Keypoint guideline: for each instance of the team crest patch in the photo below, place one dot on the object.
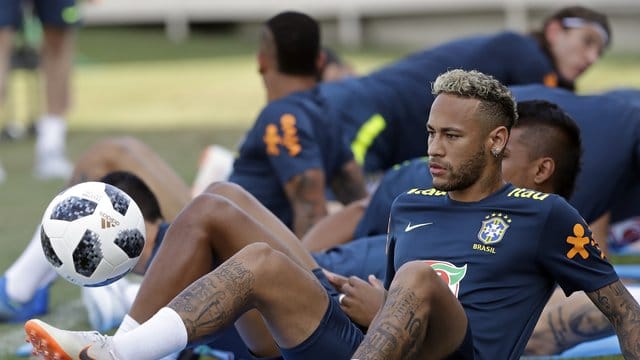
(452, 275)
(493, 228)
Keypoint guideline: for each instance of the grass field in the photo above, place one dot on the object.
(178, 99)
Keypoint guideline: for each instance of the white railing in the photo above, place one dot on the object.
(176, 15)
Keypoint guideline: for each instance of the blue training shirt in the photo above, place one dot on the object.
(501, 256)
(291, 135)
(384, 113)
(626, 207)
(400, 178)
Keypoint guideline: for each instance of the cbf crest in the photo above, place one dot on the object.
(493, 228)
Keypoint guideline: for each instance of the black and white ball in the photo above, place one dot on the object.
(92, 233)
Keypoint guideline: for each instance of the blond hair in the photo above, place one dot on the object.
(497, 104)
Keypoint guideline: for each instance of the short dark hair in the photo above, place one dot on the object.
(549, 131)
(139, 192)
(296, 38)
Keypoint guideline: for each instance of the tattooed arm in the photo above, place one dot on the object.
(566, 323)
(622, 310)
(307, 198)
(349, 185)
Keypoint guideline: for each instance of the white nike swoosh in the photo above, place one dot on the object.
(411, 227)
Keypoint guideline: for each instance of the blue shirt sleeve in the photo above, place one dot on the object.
(289, 140)
(570, 254)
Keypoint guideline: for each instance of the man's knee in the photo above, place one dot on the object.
(226, 189)
(212, 207)
(420, 277)
(266, 262)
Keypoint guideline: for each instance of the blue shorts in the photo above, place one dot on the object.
(360, 257)
(57, 13)
(335, 338)
(465, 351)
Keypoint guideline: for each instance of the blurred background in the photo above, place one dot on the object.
(181, 74)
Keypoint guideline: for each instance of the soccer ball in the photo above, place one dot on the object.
(92, 233)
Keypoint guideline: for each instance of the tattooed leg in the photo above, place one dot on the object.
(421, 319)
(256, 277)
(211, 229)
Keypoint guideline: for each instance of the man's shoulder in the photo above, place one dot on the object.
(527, 195)
(296, 105)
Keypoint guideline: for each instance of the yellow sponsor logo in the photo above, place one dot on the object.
(427, 192)
(527, 194)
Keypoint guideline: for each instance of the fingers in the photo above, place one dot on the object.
(336, 280)
(373, 280)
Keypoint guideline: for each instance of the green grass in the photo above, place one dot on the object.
(178, 98)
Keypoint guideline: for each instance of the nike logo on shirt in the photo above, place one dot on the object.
(412, 227)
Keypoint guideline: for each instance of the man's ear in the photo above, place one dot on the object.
(551, 31)
(545, 167)
(262, 61)
(498, 140)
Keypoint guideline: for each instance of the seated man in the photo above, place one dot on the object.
(466, 147)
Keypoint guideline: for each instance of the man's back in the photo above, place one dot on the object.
(396, 99)
(291, 135)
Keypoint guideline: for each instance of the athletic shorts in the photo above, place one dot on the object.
(57, 13)
(360, 257)
(465, 351)
(335, 338)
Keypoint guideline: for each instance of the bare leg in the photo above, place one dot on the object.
(256, 277)
(211, 229)
(57, 63)
(130, 154)
(420, 319)
(248, 203)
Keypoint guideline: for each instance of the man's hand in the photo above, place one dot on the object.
(359, 299)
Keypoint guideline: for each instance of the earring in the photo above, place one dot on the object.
(495, 152)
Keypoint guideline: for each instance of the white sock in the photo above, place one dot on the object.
(162, 335)
(128, 323)
(51, 131)
(29, 272)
